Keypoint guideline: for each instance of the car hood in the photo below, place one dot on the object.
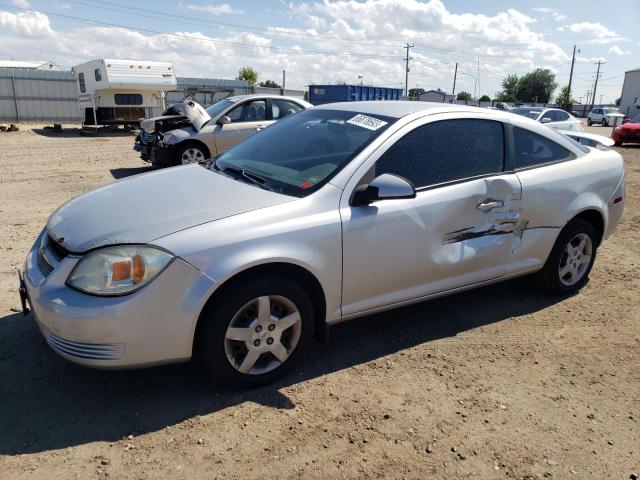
(195, 112)
(149, 124)
(144, 207)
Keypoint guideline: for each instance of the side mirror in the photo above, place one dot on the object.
(545, 120)
(223, 120)
(384, 187)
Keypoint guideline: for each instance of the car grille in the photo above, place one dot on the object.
(85, 351)
(146, 137)
(50, 254)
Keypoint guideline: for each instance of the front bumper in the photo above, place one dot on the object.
(622, 136)
(154, 325)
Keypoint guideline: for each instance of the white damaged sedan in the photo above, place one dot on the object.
(334, 213)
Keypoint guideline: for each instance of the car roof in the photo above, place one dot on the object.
(262, 95)
(398, 108)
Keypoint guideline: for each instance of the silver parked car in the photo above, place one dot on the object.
(605, 116)
(337, 212)
(189, 133)
(551, 117)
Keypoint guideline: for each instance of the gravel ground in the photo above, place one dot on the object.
(500, 382)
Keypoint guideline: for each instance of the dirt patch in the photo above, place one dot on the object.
(500, 382)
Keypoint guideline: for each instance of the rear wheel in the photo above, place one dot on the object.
(567, 269)
(589, 122)
(604, 122)
(257, 333)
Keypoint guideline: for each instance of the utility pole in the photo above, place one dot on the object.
(573, 60)
(588, 97)
(478, 97)
(455, 75)
(601, 95)
(284, 78)
(595, 85)
(406, 72)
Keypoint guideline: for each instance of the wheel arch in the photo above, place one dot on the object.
(595, 218)
(280, 269)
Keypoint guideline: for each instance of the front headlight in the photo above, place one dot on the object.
(118, 270)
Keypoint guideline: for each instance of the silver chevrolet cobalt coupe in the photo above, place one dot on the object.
(333, 213)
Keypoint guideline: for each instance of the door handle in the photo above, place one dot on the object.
(490, 204)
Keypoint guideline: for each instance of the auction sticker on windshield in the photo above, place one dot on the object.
(367, 122)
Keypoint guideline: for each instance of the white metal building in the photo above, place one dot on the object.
(630, 98)
(436, 96)
(32, 65)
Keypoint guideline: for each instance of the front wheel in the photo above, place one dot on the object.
(256, 333)
(190, 153)
(589, 122)
(567, 269)
(605, 123)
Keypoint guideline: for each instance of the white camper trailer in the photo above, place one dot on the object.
(122, 92)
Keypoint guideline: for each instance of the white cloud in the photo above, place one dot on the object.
(616, 50)
(222, 9)
(63, 6)
(372, 30)
(21, 3)
(555, 14)
(599, 33)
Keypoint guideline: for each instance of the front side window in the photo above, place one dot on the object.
(97, 74)
(253, 111)
(532, 149)
(83, 87)
(302, 152)
(282, 108)
(128, 99)
(446, 151)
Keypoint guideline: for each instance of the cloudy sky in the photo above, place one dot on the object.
(328, 41)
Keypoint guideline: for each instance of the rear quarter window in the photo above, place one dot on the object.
(532, 149)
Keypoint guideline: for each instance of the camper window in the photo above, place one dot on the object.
(81, 82)
(128, 99)
(97, 74)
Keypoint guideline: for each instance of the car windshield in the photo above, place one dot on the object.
(299, 154)
(220, 106)
(526, 112)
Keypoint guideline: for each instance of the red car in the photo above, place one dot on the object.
(628, 132)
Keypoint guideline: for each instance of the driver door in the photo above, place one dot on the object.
(246, 119)
(455, 232)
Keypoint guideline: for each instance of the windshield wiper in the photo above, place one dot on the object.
(253, 178)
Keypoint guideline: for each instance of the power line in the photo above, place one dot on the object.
(200, 39)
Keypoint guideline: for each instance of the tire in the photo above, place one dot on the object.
(550, 278)
(589, 122)
(605, 123)
(230, 333)
(190, 152)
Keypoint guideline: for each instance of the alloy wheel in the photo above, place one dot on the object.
(575, 259)
(192, 155)
(263, 334)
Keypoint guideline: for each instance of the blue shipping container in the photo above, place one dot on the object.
(320, 94)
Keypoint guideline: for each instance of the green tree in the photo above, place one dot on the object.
(464, 96)
(269, 84)
(537, 86)
(564, 99)
(248, 74)
(505, 97)
(414, 92)
(510, 87)
(485, 98)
